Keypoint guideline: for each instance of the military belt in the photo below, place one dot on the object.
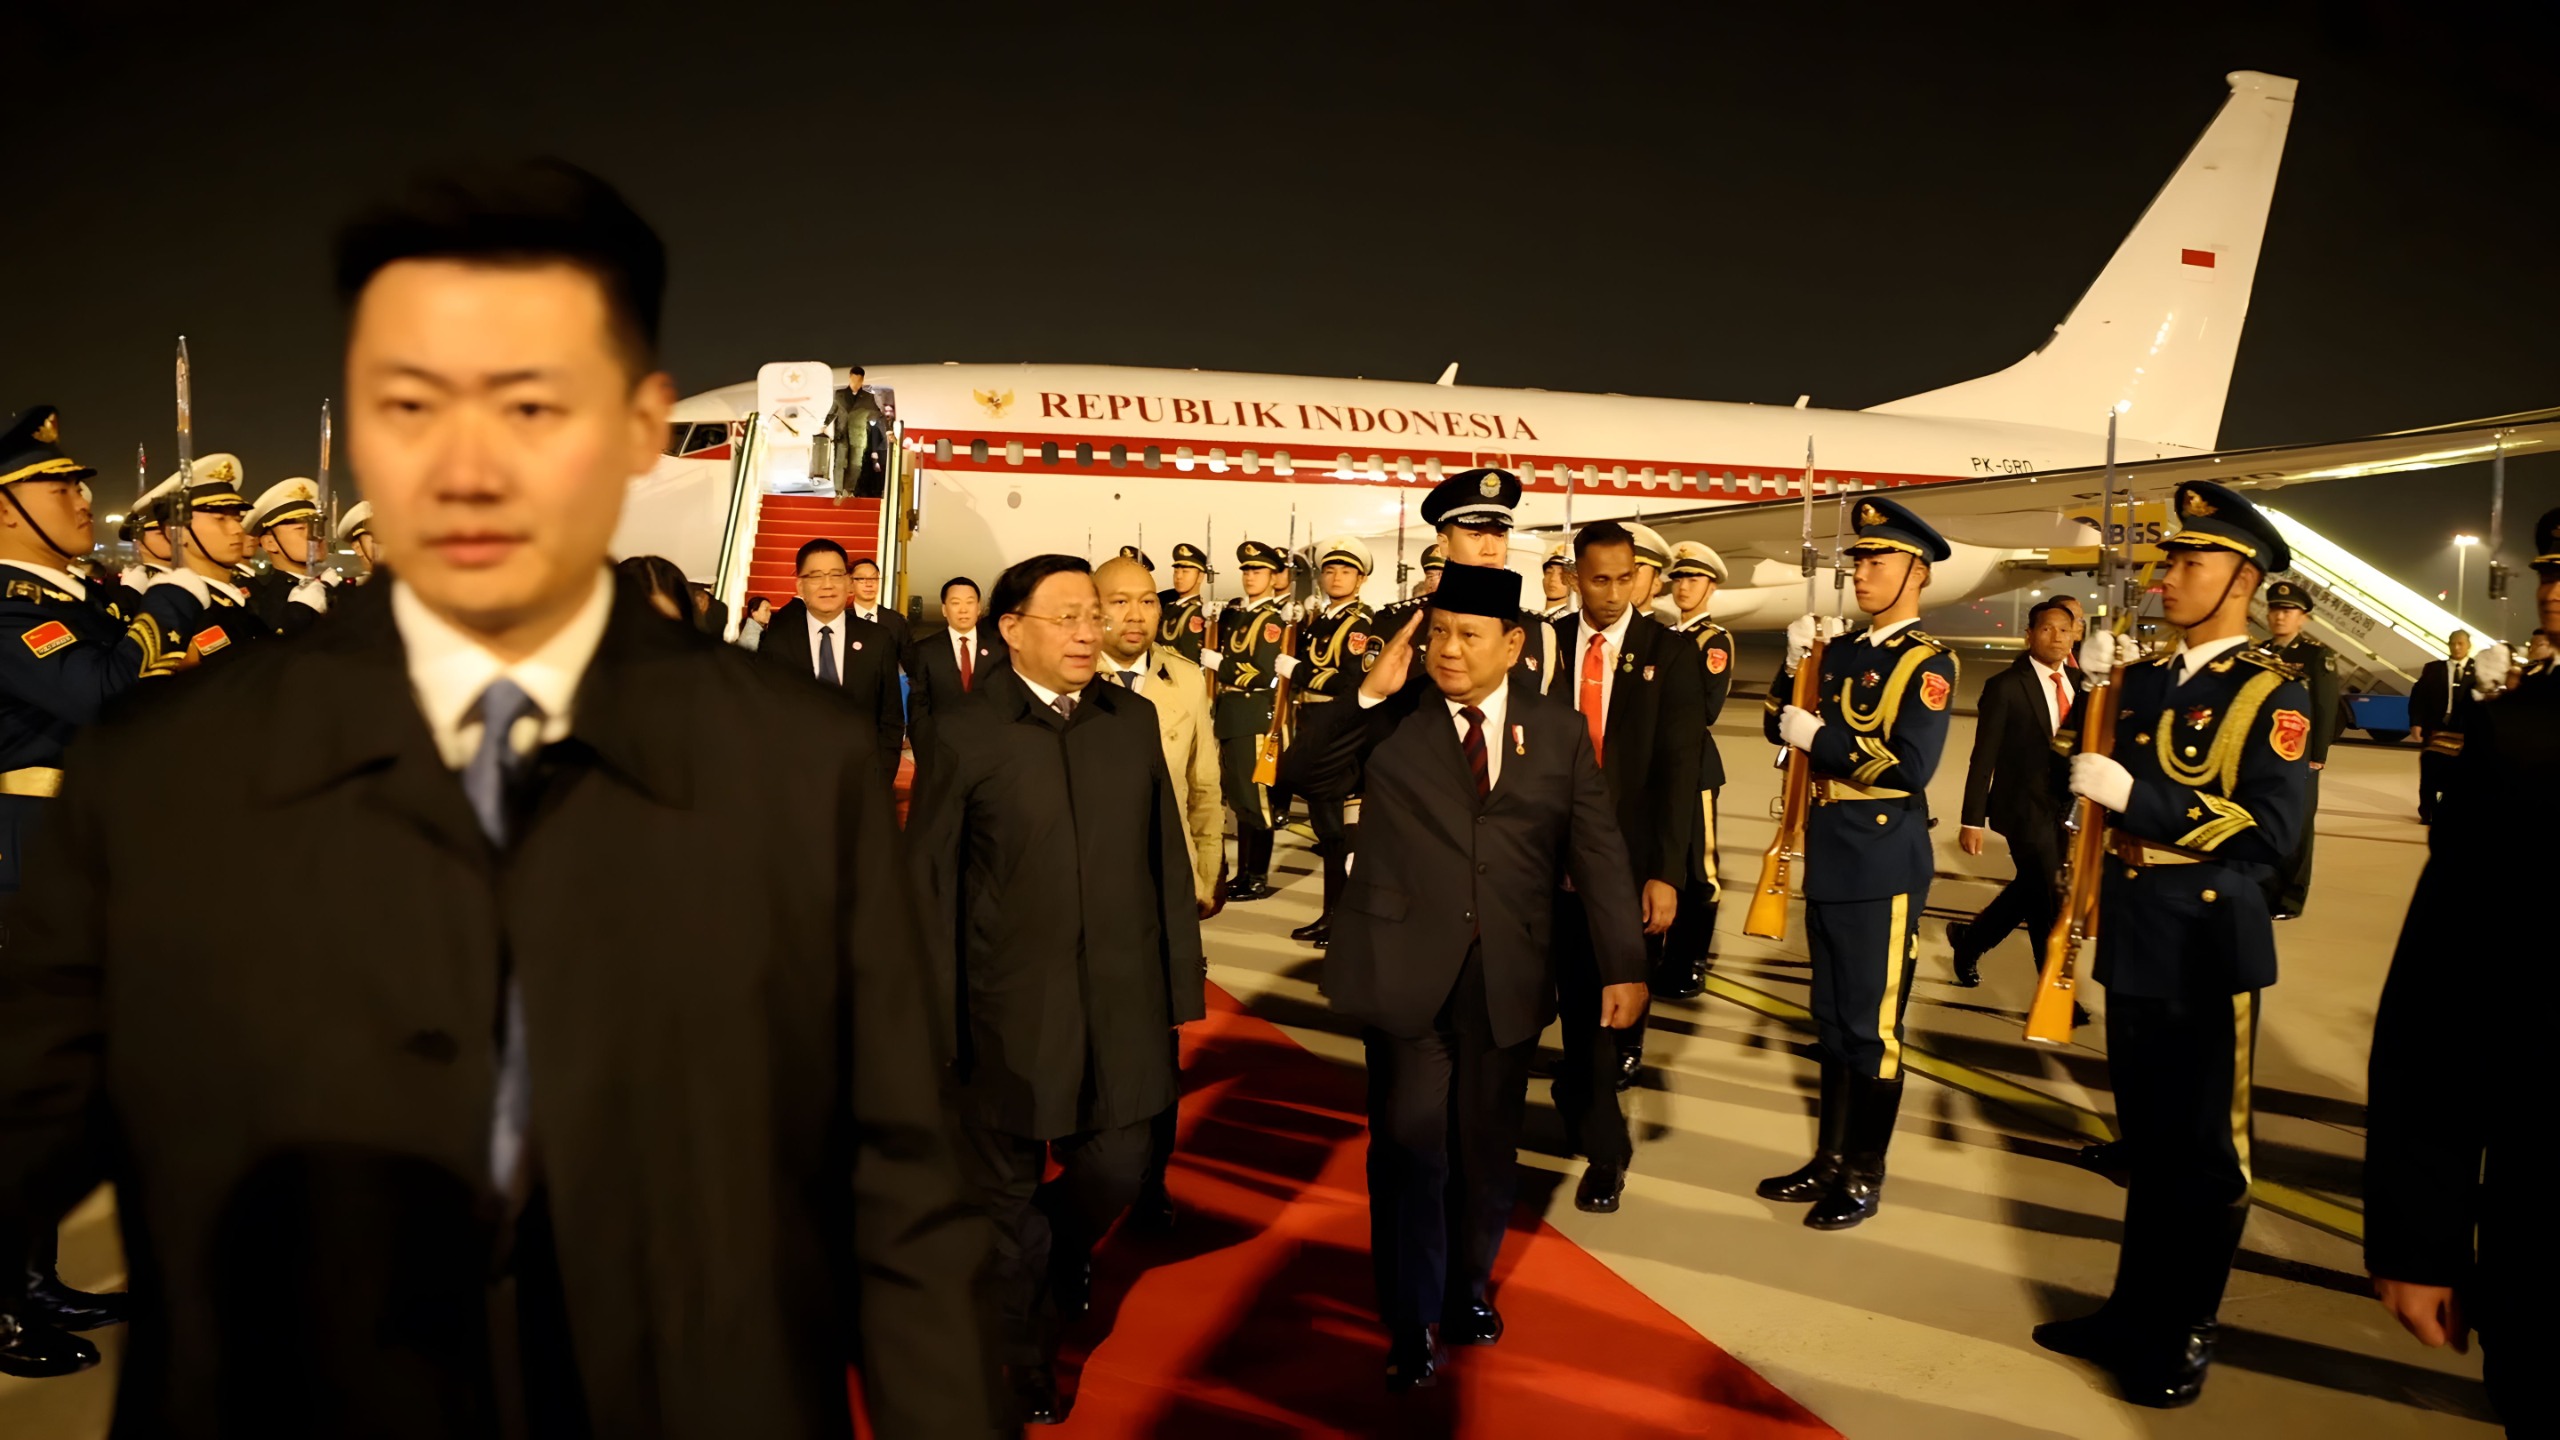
(2140, 853)
(1830, 791)
(34, 780)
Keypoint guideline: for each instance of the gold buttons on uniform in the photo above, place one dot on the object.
(2209, 897)
(1879, 819)
(2191, 752)
(2141, 739)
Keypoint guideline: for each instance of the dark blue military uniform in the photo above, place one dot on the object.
(1250, 635)
(2185, 943)
(63, 656)
(2290, 888)
(1337, 648)
(1885, 705)
(1693, 928)
(1184, 625)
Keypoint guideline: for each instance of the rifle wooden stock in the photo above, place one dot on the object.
(1768, 917)
(2084, 861)
(1266, 751)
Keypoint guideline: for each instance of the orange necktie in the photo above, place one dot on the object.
(1595, 671)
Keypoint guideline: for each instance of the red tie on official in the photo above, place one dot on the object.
(1595, 673)
(1473, 744)
(967, 675)
(2061, 700)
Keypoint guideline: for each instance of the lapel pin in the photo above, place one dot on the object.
(1648, 674)
(1519, 740)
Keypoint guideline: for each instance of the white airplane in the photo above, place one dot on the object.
(1007, 461)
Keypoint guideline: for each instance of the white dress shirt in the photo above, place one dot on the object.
(59, 579)
(833, 641)
(1111, 670)
(966, 640)
(2194, 658)
(1612, 641)
(2045, 676)
(1877, 635)
(449, 670)
(1048, 696)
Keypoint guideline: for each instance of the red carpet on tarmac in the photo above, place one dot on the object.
(1254, 1318)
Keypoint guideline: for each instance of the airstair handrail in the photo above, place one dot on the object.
(738, 538)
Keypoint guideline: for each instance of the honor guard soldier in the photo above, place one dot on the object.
(1556, 576)
(1653, 555)
(1695, 573)
(1184, 625)
(62, 657)
(355, 532)
(1473, 511)
(1433, 561)
(287, 596)
(1337, 648)
(1874, 743)
(1250, 632)
(215, 543)
(2288, 611)
(2206, 784)
(2456, 1233)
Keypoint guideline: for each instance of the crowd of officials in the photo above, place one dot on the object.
(565, 1142)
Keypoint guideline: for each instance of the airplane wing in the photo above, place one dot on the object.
(2035, 511)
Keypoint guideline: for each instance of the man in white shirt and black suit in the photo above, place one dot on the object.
(2015, 782)
(951, 661)
(866, 606)
(1639, 688)
(1480, 798)
(817, 636)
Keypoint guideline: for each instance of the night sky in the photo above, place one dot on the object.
(1734, 205)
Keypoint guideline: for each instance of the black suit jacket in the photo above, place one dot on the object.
(735, 1102)
(1056, 883)
(934, 689)
(1649, 746)
(2016, 778)
(870, 679)
(1439, 868)
(901, 634)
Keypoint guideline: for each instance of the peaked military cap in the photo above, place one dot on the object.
(1434, 558)
(1189, 554)
(285, 500)
(1254, 555)
(357, 521)
(2546, 544)
(1478, 590)
(1690, 557)
(2216, 517)
(218, 478)
(1480, 498)
(1345, 550)
(1651, 548)
(2285, 593)
(1884, 526)
(1132, 552)
(32, 450)
(1560, 553)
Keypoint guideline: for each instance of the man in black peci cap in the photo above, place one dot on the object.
(2288, 612)
(1480, 798)
(2205, 789)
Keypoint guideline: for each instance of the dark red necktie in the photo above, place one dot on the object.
(967, 675)
(1474, 746)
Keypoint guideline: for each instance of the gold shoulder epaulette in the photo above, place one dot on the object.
(2266, 660)
(1923, 637)
(25, 590)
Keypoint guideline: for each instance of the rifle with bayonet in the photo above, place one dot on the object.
(324, 523)
(1767, 918)
(181, 512)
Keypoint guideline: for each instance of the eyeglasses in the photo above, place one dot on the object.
(814, 576)
(1081, 620)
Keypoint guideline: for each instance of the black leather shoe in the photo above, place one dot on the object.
(1805, 1183)
(1600, 1188)
(1249, 888)
(1071, 1286)
(1036, 1396)
(2171, 1377)
(2098, 1336)
(33, 1351)
(1854, 1197)
(50, 1302)
(1312, 928)
(1414, 1358)
(1968, 956)
(1153, 1210)
(1682, 979)
(1630, 1065)
(1474, 1323)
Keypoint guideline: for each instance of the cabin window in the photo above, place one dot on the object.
(1048, 452)
(1182, 459)
(1151, 457)
(1280, 462)
(1342, 466)
(1431, 468)
(1618, 476)
(1645, 477)
(1252, 463)
(1119, 457)
(978, 451)
(1084, 453)
(1013, 452)
(942, 449)
(1217, 462)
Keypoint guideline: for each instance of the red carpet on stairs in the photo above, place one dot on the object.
(1254, 1318)
(786, 522)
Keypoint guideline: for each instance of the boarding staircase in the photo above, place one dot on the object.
(766, 530)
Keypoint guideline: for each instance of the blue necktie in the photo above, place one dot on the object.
(827, 656)
(494, 768)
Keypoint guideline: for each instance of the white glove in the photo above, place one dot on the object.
(2101, 651)
(2100, 778)
(1209, 660)
(187, 580)
(1288, 666)
(136, 577)
(1796, 727)
(1800, 633)
(313, 594)
(2489, 671)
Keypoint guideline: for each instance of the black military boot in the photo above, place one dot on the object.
(31, 1350)
(50, 1302)
(1831, 1129)
(1319, 931)
(1858, 1187)
(1253, 867)
(2164, 1366)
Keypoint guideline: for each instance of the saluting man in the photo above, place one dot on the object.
(287, 597)
(1184, 625)
(64, 657)
(1338, 649)
(2288, 611)
(2206, 784)
(1695, 573)
(1875, 741)
(1250, 630)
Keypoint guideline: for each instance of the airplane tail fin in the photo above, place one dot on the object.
(2157, 334)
